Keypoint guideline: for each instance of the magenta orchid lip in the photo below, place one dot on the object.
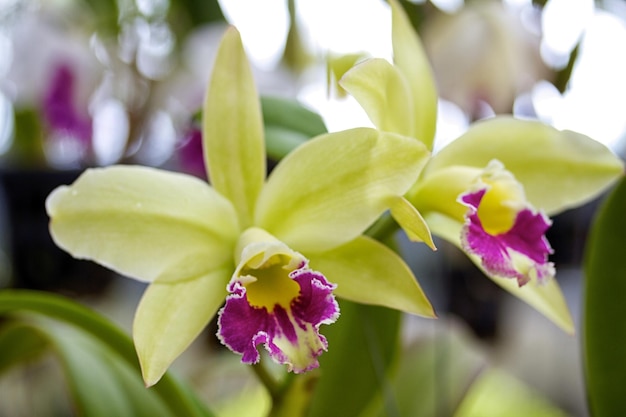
(289, 333)
(498, 252)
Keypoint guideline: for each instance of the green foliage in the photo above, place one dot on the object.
(434, 375)
(98, 359)
(497, 394)
(605, 293)
(287, 125)
(362, 345)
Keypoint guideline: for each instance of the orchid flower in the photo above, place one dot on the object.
(275, 251)
(490, 191)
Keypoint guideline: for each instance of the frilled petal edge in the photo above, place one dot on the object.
(289, 333)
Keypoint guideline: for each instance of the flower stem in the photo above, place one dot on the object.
(270, 383)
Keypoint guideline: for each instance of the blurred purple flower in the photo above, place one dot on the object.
(190, 153)
(59, 109)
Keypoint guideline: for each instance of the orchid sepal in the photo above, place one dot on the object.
(123, 204)
(410, 58)
(232, 129)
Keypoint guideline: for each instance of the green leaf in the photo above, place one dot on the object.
(368, 272)
(558, 169)
(18, 343)
(175, 396)
(288, 124)
(291, 115)
(604, 295)
(383, 92)
(433, 374)
(280, 141)
(498, 394)
(330, 189)
(144, 223)
(232, 129)
(171, 315)
(101, 382)
(361, 348)
(410, 58)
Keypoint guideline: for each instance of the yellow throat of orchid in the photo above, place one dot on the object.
(502, 201)
(264, 267)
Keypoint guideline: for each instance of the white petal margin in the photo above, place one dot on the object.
(171, 315)
(143, 222)
(368, 272)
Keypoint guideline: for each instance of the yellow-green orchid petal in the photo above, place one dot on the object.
(440, 190)
(410, 58)
(330, 189)
(383, 92)
(336, 67)
(546, 298)
(411, 221)
(368, 272)
(144, 222)
(171, 315)
(234, 150)
(559, 169)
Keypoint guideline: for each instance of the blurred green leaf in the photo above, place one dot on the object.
(434, 375)
(98, 357)
(106, 14)
(497, 394)
(26, 149)
(18, 343)
(101, 382)
(288, 124)
(361, 348)
(605, 308)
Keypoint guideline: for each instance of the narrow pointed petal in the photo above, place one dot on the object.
(410, 58)
(368, 272)
(559, 169)
(383, 92)
(329, 190)
(142, 222)
(171, 315)
(546, 298)
(411, 221)
(234, 150)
